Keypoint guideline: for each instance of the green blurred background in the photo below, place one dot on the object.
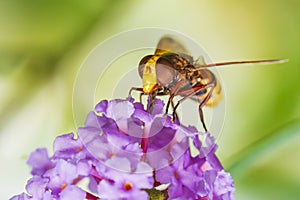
(43, 43)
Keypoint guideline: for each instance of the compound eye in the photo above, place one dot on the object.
(165, 73)
(142, 64)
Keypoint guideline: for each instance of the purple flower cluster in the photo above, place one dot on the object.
(123, 152)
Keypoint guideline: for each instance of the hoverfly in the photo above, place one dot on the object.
(173, 71)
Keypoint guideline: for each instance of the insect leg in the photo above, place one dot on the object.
(152, 98)
(173, 106)
(136, 89)
(139, 90)
(170, 100)
(141, 95)
(202, 118)
(192, 91)
(175, 90)
(205, 100)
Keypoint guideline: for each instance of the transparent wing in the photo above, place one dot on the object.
(171, 43)
(200, 61)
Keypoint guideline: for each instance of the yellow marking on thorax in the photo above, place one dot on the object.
(149, 74)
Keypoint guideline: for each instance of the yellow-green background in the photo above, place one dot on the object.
(43, 43)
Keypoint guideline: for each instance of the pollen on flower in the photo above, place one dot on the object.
(111, 154)
(79, 149)
(76, 180)
(127, 186)
(63, 186)
(176, 175)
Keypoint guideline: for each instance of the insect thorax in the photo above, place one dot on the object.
(178, 61)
